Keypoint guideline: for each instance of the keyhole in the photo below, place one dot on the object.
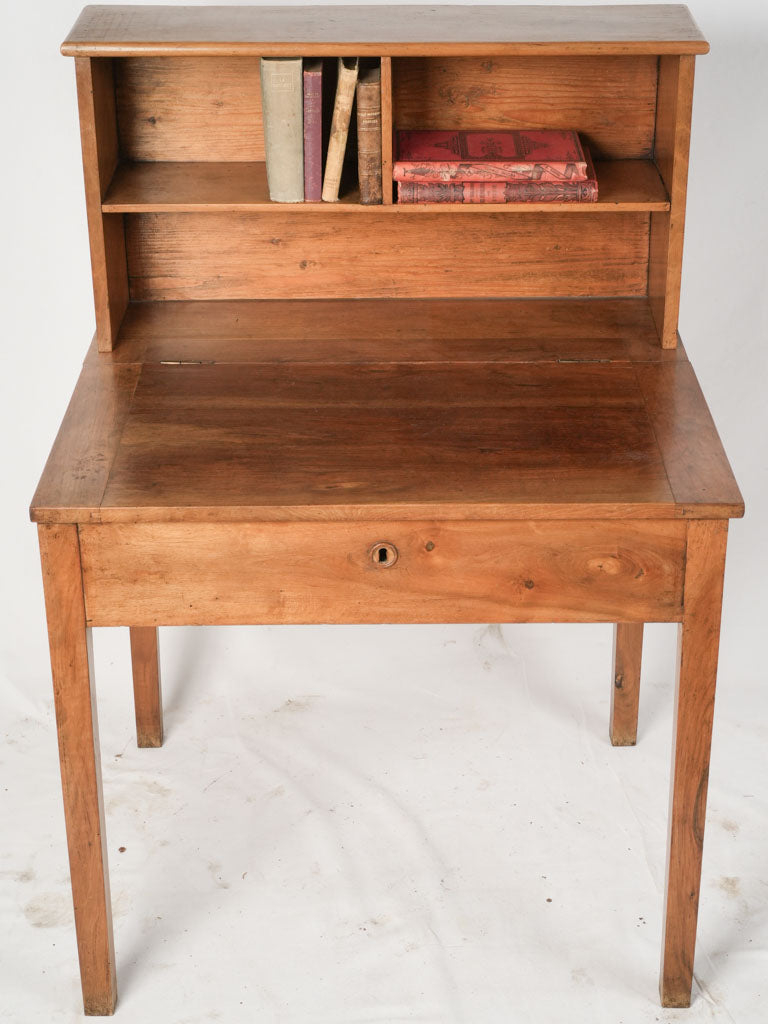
(383, 555)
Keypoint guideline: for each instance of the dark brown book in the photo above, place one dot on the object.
(369, 134)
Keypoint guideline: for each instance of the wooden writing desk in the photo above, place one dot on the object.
(347, 414)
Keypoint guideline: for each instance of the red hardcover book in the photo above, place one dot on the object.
(500, 191)
(516, 155)
(497, 192)
(313, 140)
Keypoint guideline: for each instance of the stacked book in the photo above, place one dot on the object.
(546, 166)
(305, 138)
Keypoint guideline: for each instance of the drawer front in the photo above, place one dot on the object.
(231, 573)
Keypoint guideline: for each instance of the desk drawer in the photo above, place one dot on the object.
(186, 574)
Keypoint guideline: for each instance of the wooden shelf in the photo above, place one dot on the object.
(358, 331)
(625, 186)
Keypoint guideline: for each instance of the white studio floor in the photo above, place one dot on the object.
(383, 824)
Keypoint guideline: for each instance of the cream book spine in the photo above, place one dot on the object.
(282, 106)
(342, 112)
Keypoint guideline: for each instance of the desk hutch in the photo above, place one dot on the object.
(337, 413)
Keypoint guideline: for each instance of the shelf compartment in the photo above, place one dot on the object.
(610, 101)
(629, 186)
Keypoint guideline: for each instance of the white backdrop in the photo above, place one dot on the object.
(312, 953)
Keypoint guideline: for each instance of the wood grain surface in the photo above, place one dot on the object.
(697, 466)
(673, 132)
(387, 131)
(273, 439)
(377, 30)
(100, 146)
(315, 437)
(625, 691)
(625, 324)
(147, 696)
(387, 331)
(245, 256)
(204, 109)
(77, 726)
(78, 466)
(699, 635)
(171, 574)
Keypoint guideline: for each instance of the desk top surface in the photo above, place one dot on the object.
(125, 30)
(465, 409)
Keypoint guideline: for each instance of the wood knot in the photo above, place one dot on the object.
(609, 566)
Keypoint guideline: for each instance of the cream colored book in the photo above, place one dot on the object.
(282, 107)
(342, 112)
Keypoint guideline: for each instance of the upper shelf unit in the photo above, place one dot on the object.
(173, 150)
(190, 132)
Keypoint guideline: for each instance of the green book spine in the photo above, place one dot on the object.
(282, 108)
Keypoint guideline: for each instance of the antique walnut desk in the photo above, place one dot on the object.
(346, 414)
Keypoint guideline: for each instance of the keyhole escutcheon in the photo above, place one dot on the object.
(383, 554)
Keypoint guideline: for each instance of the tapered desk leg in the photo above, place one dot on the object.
(694, 708)
(70, 645)
(146, 686)
(625, 692)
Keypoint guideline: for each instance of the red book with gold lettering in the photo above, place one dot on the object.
(514, 155)
(572, 191)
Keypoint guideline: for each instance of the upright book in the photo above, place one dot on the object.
(282, 106)
(313, 130)
(369, 134)
(342, 112)
(546, 155)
